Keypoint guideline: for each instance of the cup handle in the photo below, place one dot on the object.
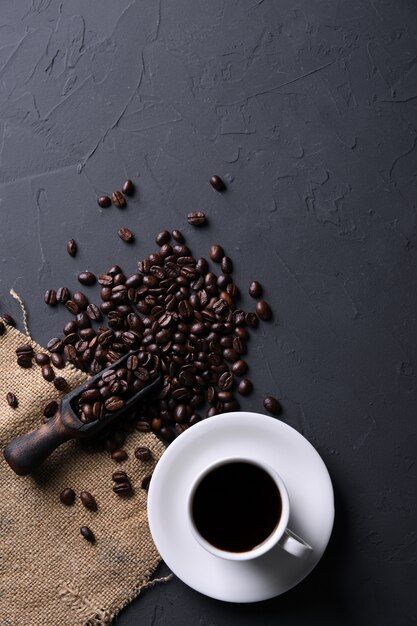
(293, 544)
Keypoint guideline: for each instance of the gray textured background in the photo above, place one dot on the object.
(308, 110)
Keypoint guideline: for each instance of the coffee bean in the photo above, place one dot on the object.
(104, 202)
(142, 426)
(94, 313)
(80, 300)
(119, 455)
(272, 405)
(60, 383)
(178, 236)
(86, 278)
(88, 534)
(230, 355)
(240, 367)
(146, 482)
(25, 349)
(143, 453)
(255, 289)
(67, 496)
(263, 310)
(245, 387)
(216, 253)
(2, 328)
(50, 409)
(197, 218)
(24, 360)
(57, 360)
(9, 320)
(251, 319)
(42, 359)
(48, 373)
(55, 345)
(217, 183)
(113, 404)
(125, 234)
(50, 297)
(226, 265)
(62, 295)
(72, 307)
(225, 381)
(12, 400)
(122, 488)
(163, 237)
(128, 187)
(118, 199)
(88, 500)
(120, 477)
(71, 247)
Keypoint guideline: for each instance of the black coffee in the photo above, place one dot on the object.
(236, 506)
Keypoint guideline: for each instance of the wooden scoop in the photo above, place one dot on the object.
(25, 453)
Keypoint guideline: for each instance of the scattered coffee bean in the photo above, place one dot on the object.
(217, 183)
(197, 218)
(263, 310)
(62, 295)
(24, 359)
(146, 482)
(86, 278)
(178, 236)
(60, 383)
(252, 319)
(48, 373)
(57, 360)
(42, 359)
(255, 289)
(2, 328)
(72, 307)
(272, 405)
(118, 199)
(226, 265)
(87, 533)
(122, 488)
(128, 187)
(71, 247)
(104, 202)
(12, 400)
(9, 320)
(119, 455)
(245, 387)
(25, 349)
(143, 453)
(216, 253)
(67, 496)
(88, 500)
(240, 367)
(50, 409)
(125, 234)
(163, 237)
(120, 477)
(50, 297)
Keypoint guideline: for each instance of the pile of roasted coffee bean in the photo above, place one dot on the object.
(180, 315)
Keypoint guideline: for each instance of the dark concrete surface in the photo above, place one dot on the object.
(308, 110)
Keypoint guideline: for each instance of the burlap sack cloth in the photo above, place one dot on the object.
(49, 574)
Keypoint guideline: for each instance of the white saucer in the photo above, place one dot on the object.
(309, 488)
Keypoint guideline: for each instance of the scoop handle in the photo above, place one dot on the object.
(25, 453)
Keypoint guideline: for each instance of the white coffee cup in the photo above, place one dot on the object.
(281, 534)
